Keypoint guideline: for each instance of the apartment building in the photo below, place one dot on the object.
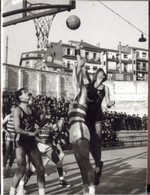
(123, 64)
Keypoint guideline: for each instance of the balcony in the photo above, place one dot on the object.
(142, 70)
(116, 76)
(142, 59)
(128, 60)
(92, 60)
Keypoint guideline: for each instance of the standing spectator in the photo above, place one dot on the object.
(8, 122)
(6, 103)
(144, 122)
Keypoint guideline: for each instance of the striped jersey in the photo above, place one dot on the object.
(10, 125)
(45, 131)
(77, 113)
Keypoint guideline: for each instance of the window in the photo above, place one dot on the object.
(68, 64)
(27, 64)
(98, 59)
(38, 55)
(51, 46)
(95, 68)
(125, 56)
(140, 77)
(94, 55)
(144, 66)
(110, 76)
(125, 67)
(71, 52)
(68, 51)
(87, 67)
(141, 66)
(137, 54)
(86, 55)
(128, 78)
(117, 56)
(144, 54)
(54, 54)
(27, 55)
(119, 77)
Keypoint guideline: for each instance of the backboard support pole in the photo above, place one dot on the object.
(24, 14)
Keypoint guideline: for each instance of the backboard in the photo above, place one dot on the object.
(16, 11)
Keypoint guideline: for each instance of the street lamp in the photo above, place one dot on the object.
(142, 39)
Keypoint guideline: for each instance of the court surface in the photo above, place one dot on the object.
(124, 172)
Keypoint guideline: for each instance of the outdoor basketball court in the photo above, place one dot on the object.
(124, 172)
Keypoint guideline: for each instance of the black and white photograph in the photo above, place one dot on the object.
(74, 97)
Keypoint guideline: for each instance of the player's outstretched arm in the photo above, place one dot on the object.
(109, 103)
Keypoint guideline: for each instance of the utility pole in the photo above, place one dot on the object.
(6, 49)
(120, 66)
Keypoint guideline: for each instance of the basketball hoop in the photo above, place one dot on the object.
(42, 27)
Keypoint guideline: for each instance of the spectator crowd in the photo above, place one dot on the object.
(58, 108)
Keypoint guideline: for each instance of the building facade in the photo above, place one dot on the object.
(123, 64)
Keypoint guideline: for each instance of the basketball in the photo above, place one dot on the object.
(73, 22)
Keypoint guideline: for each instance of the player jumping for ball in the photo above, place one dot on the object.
(79, 133)
(97, 91)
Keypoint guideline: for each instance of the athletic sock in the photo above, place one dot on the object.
(85, 190)
(61, 178)
(41, 191)
(12, 191)
(21, 185)
(92, 190)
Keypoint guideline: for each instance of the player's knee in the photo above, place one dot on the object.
(82, 147)
(40, 170)
(97, 139)
(59, 164)
(21, 170)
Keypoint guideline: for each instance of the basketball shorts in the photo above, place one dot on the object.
(43, 148)
(77, 131)
(25, 146)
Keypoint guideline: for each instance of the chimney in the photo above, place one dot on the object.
(60, 42)
(98, 45)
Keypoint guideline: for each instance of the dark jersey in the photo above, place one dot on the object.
(95, 98)
(27, 123)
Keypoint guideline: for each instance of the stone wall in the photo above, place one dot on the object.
(130, 97)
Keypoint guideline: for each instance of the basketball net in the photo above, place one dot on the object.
(42, 27)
